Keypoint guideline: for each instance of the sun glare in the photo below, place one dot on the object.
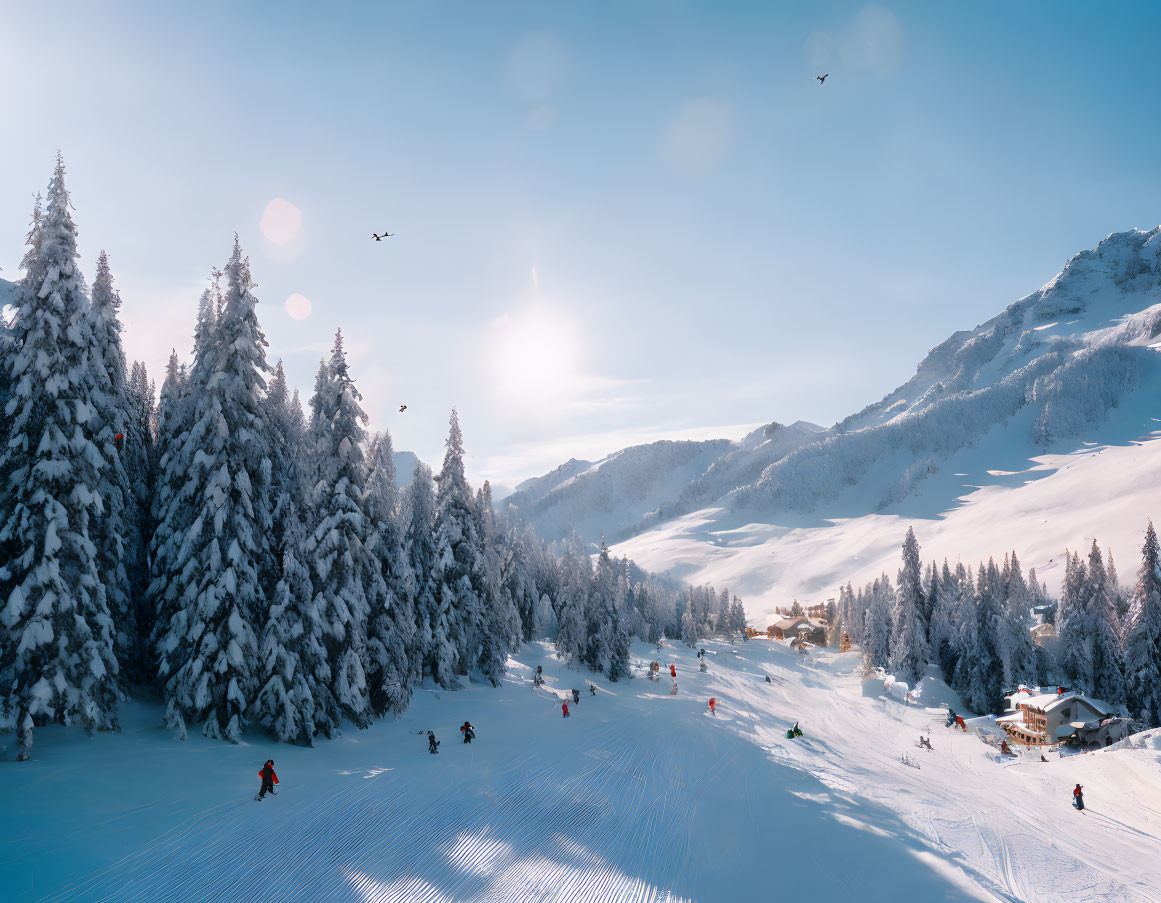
(534, 357)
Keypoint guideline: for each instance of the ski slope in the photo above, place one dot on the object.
(640, 795)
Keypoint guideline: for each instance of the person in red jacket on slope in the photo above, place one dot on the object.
(672, 671)
(564, 706)
(269, 779)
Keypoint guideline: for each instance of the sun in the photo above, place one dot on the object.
(533, 356)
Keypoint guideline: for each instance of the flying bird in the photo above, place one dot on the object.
(402, 408)
(822, 78)
(383, 236)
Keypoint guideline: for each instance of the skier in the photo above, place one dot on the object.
(673, 672)
(564, 705)
(468, 731)
(1078, 797)
(712, 705)
(795, 731)
(592, 688)
(960, 723)
(432, 743)
(269, 779)
(768, 680)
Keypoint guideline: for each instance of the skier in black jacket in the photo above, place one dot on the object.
(468, 731)
(432, 743)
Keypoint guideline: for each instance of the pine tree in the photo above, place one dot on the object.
(1020, 661)
(347, 579)
(500, 622)
(946, 622)
(909, 651)
(421, 557)
(391, 632)
(1074, 626)
(459, 567)
(689, 624)
(57, 661)
(212, 594)
(1143, 641)
(575, 578)
(1108, 665)
(117, 531)
(877, 630)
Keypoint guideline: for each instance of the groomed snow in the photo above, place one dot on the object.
(640, 795)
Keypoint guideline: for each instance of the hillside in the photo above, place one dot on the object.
(640, 795)
(993, 444)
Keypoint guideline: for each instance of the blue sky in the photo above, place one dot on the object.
(614, 221)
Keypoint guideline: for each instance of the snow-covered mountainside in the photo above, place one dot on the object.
(647, 483)
(640, 795)
(7, 292)
(1065, 381)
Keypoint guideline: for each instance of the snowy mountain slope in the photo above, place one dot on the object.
(616, 492)
(7, 292)
(1066, 353)
(640, 795)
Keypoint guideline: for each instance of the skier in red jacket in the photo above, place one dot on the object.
(269, 779)
(713, 705)
(673, 672)
(564, 705)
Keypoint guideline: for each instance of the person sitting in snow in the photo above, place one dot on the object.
(432, 743)
(269, 779)
(469, 732)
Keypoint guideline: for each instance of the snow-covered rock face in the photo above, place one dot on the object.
(1067, 370)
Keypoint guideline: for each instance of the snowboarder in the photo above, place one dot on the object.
(269, 779)
(713, 705)
(432, 743)
(960, 723)
(576, 697)
(592, 688)
(950, 718)
(1078, 797)
(564, 705)
(468, 731)
(1005, 749)
(795, 731)
(538, 678)
(1042, 759)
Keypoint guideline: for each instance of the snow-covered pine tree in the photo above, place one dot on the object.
(1021, 663)
(57, 661)
(1121, 599)
(946, 622)
(1108, 664)
(391, 631)
(689, 624)
(459, 567)
(421, 556)
(346, 577)
(499, 631)
(117, 532)
(606, 640)
(294, 699)
(212, 594)
(1074, 626)
(909, 650)
(987, 659)
(573, 599)
(877, 627)
(1143, 640)
(141, 466)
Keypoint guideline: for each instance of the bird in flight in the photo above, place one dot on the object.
(402, 408)
(822, 78)
(383, 236)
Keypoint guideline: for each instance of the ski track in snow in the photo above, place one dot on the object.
(639, 796)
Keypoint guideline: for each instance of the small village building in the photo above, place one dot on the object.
(1046, 719)
(792, 628)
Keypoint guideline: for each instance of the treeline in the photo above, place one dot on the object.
(975, 627)
(252, 564)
